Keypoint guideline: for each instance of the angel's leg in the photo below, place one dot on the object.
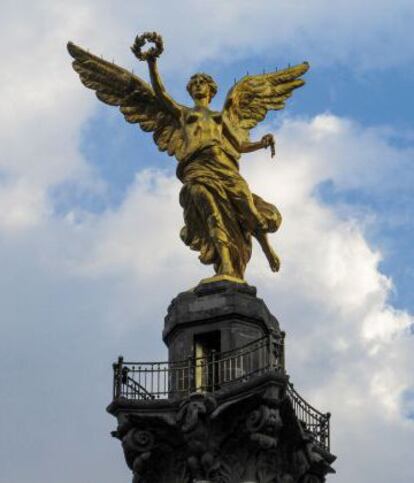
(271, 256)
(210, 213)
(248, 208)
(225, 267)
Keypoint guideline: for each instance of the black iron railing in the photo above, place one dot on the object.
(312, 420)
(175, 380)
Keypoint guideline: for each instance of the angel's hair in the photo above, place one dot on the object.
(210, 81)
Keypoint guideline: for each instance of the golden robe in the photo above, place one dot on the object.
(220, 208)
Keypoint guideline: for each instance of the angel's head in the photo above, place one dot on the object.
(202, 86)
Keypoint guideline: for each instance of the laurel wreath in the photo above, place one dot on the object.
(152, 52)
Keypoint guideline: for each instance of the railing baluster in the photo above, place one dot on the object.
(139, 375)
(119, 376)
(314, 421)
(165, 382)
(152, 378)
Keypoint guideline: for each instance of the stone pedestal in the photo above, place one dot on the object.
(250, 426)
(230, 309)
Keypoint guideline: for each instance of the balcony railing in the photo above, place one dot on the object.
(312, 420)
(176, 380)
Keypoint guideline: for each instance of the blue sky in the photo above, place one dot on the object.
(89, 221)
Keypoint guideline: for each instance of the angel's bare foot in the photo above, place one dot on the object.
(271, 256)
(273, 260)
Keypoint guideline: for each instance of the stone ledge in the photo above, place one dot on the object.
(212, 302)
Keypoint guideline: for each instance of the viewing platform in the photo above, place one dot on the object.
(222, 407)
(215, 374)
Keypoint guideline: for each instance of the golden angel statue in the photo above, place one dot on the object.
(221, 214)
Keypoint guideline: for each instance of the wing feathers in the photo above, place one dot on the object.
(252, 97)
(116, 86)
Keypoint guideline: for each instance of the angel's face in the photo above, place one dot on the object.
(200, 88)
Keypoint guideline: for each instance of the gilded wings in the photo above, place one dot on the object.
(136, 99)
(246, 104)
(250, 99)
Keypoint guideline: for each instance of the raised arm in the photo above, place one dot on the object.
(160, 90)
(150, 56)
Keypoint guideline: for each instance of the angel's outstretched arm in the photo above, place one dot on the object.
(160, 90)
(248, 147)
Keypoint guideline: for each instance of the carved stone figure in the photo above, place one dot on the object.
(239, 437)
(221, 214)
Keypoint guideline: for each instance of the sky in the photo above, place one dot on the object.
(89, 221)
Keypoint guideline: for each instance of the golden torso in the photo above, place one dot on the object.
(201, 128)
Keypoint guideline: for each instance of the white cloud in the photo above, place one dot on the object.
(22, 205)
(360, 35)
